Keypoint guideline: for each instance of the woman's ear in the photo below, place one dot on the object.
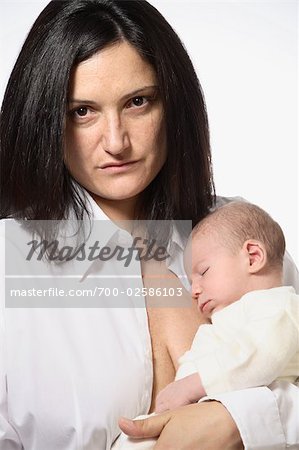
(256, 255)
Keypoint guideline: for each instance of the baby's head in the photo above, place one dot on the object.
(236, 249)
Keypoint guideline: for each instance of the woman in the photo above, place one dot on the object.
(103, 117)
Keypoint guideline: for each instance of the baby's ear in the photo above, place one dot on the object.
(256, 255)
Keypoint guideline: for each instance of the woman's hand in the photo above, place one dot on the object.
(201, 426)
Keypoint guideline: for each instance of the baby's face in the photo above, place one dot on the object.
(219, 277)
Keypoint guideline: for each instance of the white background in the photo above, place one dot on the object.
(245, 54)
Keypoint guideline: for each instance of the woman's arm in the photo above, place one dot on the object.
(259, 418)
(267, 417)
(202, 426)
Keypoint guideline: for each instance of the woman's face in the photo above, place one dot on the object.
(115, 137)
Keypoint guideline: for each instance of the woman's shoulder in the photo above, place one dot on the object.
(221, 201)
(4, 223)
(7, 229)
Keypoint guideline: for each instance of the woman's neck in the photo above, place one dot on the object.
(117, 209)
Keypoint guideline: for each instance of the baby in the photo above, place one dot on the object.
(252, 337)
(236, 274)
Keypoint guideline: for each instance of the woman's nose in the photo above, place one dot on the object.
(115, 138)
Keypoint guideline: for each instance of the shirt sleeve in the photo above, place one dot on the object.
(9, 439)
(266, 417)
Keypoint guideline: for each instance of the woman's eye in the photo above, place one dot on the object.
(81, 112)
(137, 102)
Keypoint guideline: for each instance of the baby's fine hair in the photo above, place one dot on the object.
(238, 221)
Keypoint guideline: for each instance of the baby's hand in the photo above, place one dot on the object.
(171, 397)
(178, 393)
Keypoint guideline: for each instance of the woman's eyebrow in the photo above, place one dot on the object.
(138, 91)
(130, 94)
(77, 100)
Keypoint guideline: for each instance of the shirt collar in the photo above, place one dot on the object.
(176, 245)
(97, 213)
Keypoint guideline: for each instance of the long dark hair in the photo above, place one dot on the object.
(34, 180)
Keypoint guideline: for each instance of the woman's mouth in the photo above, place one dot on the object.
(118, 167)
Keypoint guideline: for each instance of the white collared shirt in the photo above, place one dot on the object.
(68, 374)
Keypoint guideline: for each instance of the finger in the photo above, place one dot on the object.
(144, 428)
